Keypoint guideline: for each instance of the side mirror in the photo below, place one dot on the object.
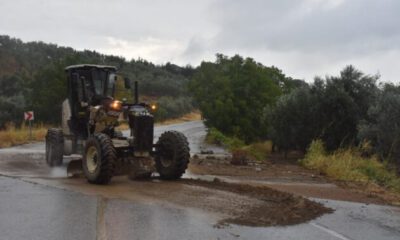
(127, 83)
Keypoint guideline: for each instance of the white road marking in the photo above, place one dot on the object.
(331, 232)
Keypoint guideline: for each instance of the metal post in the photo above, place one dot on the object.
(136, 93)
(30, 130)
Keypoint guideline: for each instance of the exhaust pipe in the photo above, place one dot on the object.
(136, 93)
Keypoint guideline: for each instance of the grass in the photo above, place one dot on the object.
(192, 116)
(349, 165)
(12, 136)
(258, 151)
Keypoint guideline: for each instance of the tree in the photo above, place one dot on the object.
(232, 94)
(38, 70)
(291, 120)
(330, 109)
(12, 100)
(382, 126)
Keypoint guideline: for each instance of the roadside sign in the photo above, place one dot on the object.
(29, 116)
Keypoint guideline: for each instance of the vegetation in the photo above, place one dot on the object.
(382, 125)
(258, 151)
(232, 92)
(11, 135)
(242, 101)
(216, 137)
(32, 78)
(342, 111)
(330, 109)
(348, 164)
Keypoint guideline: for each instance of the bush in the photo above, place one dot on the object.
(330, 109)
(172, 107)
(256, 151)
(382, 126)
(233, 92)
(349, 165)
(291, 120)
(216, 137)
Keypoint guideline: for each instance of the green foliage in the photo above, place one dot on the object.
(258, 151)
(349, 165)
(49, 89)
(32, 77)
(329, 109)
(382, 125)
(232, 93)
(172, 107)
(12, 100)
(216, 137)
(292, 120)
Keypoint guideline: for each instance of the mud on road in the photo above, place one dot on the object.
(274, 208)
(233, 203)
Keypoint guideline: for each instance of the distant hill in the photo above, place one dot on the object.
(31, 77)
(26, 59)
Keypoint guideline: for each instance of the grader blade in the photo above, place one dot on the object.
(74, 168)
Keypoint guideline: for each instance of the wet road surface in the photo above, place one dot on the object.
(41, 203)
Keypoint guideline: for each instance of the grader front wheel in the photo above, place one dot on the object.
(172, 155)
(99, 160)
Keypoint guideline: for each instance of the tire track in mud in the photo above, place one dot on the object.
(237, 203)
(274, 208)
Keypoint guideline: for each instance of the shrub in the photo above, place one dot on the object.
(256, 151)
(329, 109)
(349, 165)
(232, 93)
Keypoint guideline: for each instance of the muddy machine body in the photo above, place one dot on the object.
(90, 116)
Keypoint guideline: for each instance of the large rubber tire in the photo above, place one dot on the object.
(172, 155)
(54, 147)
(99, 160)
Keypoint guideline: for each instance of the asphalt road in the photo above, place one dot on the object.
(41, 203)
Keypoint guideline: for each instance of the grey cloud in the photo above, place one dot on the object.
(303, 37)
(281, 25)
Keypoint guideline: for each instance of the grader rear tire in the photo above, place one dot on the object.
(172, 155)
(54, 147)
(99, 160)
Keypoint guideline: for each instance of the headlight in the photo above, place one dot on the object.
(153, 107)
(116, 105)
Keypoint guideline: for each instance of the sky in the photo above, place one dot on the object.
(304, 38)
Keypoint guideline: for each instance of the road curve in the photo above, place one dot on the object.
(40, 203)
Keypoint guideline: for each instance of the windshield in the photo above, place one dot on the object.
(111, 83)
(99, 79)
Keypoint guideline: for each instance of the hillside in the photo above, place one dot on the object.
(32, 77)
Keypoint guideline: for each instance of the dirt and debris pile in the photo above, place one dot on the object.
(276, 208)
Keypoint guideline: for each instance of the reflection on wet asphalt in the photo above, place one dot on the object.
(40, 203)
(31, 211)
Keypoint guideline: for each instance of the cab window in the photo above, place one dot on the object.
(99, 79)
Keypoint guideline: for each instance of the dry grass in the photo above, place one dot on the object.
(259, 150)
(192, 116)
(12, 136)
(349, 166)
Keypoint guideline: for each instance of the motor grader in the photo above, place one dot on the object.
(90, 116)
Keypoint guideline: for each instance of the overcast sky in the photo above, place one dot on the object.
(304, 38)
